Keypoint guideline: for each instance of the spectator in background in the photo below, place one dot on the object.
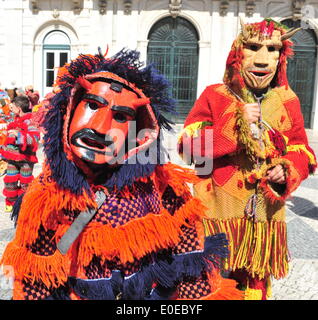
(18, 92)
(33, 96)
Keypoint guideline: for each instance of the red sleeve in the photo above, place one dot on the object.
(298, 150)
(209, 129)
(302, 160)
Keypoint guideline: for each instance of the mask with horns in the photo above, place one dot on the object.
(105, 118)
(258, 58)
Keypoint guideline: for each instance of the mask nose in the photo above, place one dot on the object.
(102, 120)
(261, 58)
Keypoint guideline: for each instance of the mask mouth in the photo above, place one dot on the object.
(260, 73)
(89, 139)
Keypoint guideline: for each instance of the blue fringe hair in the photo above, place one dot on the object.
(125, 64)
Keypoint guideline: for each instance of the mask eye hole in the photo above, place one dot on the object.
(92, 105)
(253, 47)
(271, 49)
(120, 117)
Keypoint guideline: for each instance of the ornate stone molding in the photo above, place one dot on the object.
(127, 6)
(77, 6)
(55, 13)
(175, 7)
(224, 6)
(102, 6)
(250, 8)
(297, 6)
(35, 6)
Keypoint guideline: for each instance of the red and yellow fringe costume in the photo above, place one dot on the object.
(257, 247)
(258, 242)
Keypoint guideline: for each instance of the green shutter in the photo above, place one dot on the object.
(301, 68)
(173, 48)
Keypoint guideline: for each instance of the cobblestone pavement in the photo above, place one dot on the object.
(302, 232)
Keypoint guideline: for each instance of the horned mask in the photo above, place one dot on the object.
(258, 57)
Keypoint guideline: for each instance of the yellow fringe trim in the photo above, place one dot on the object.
(253, 294)
(302, 147)
(192, 129)
(260, 248)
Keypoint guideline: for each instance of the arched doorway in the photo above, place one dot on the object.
(173, 48)
(301, 68)
(56, 52)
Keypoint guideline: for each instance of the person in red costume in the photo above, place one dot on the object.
(257, 146)
(102, 220)
(19, 151)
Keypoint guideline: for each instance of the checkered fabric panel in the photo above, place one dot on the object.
(35, 291)
(44, 245)
(194, 289)
(71, 215)
(95, 270)
(117, 210)
(171, 201)
(188, 241)
(150, 196)
(130, 268)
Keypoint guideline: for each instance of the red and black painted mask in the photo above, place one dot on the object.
(102, 118)
(98, 97)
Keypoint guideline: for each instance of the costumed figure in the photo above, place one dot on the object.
(6, 116)
(3, 137)
(102, 221)
(260, 154)
(19, 151)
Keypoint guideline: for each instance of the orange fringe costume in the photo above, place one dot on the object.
(146, 241)
(258, 244)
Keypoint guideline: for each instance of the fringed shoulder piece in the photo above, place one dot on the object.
(176, 177)
(42, 205)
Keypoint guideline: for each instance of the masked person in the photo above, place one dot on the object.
(101, 222)
(19, 151)
(259, 150)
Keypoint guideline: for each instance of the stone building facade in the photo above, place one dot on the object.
(187, 39)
